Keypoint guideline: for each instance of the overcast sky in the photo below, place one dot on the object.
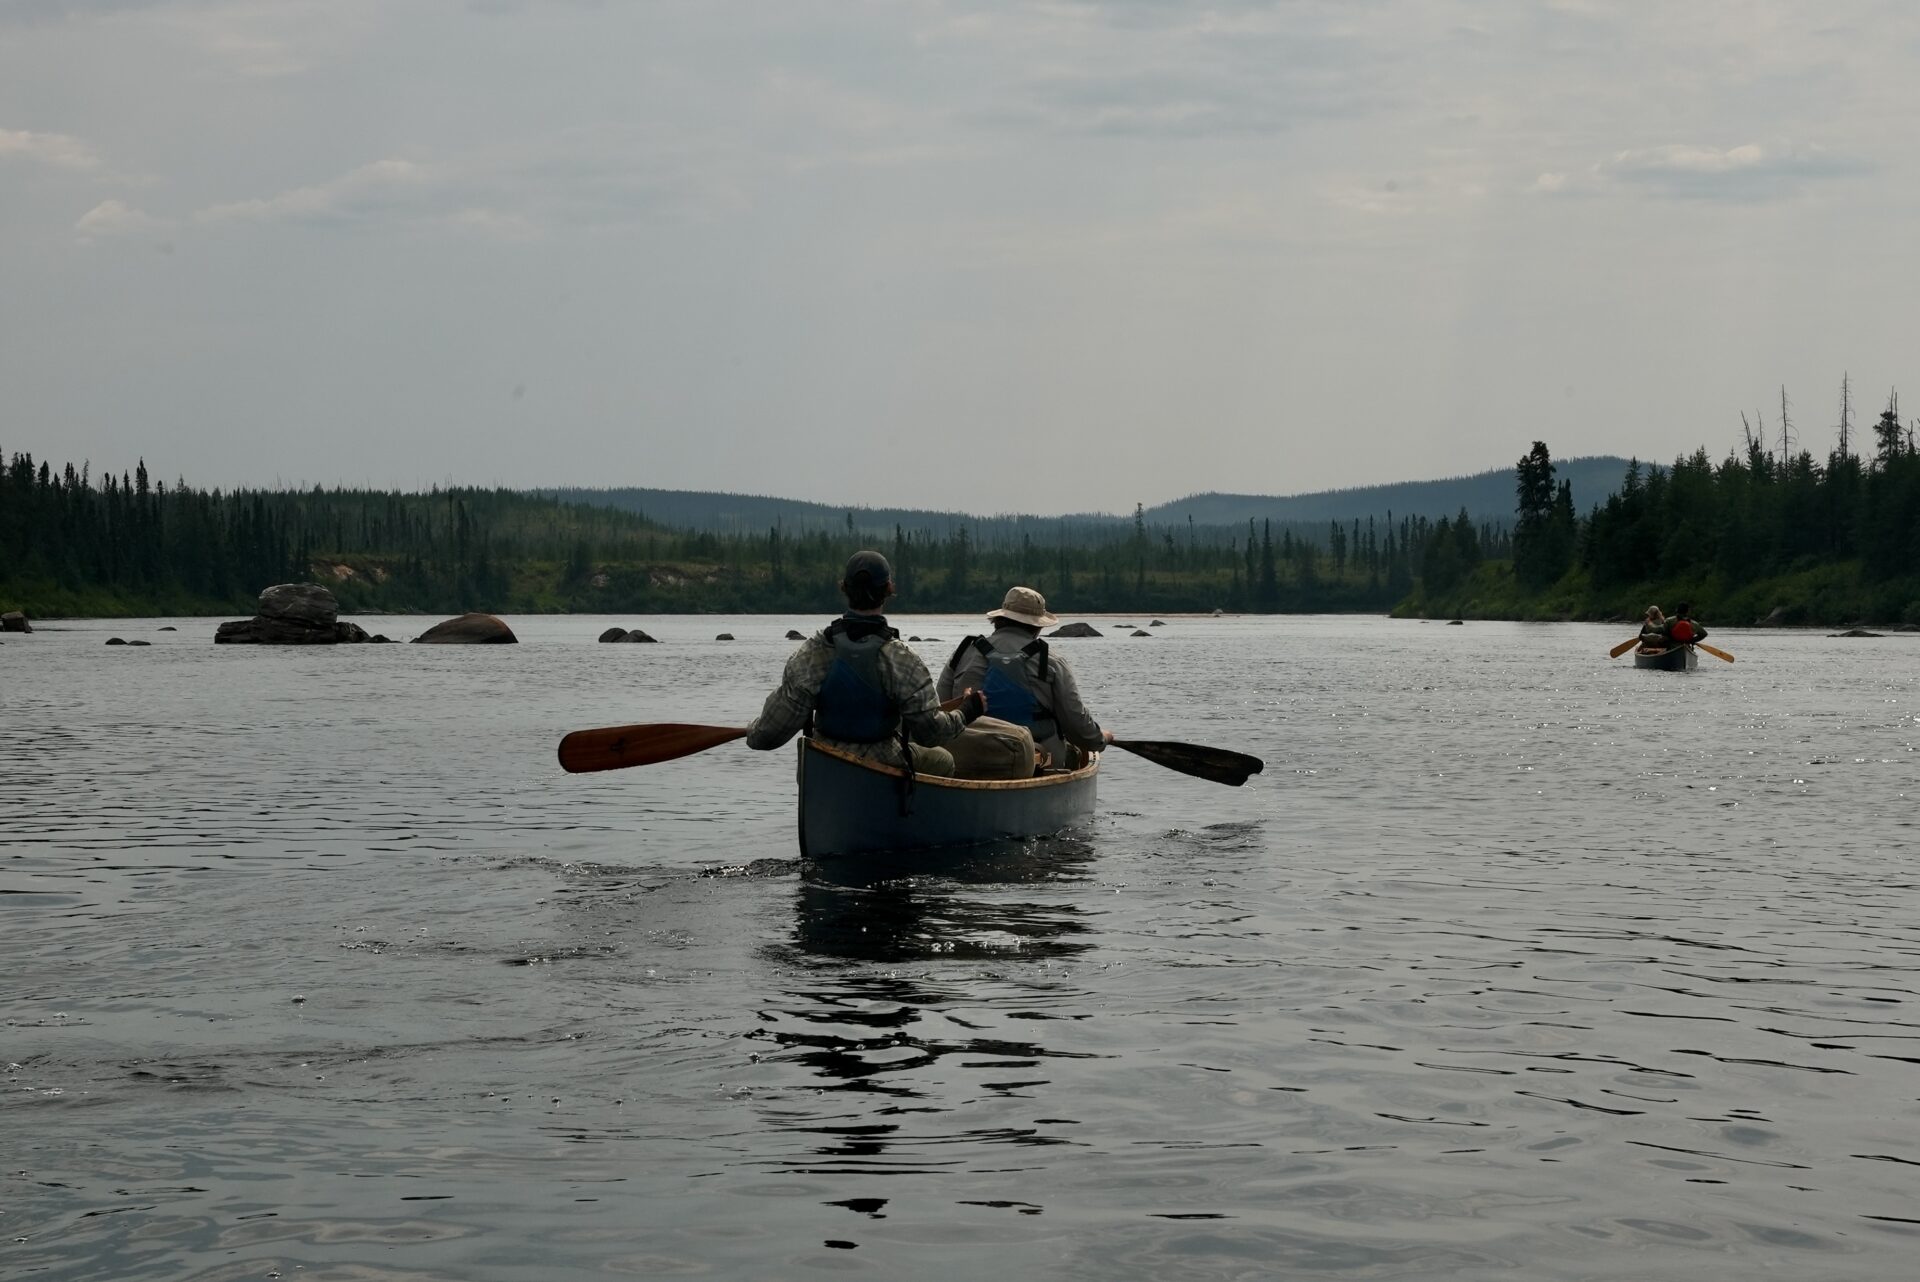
(996, 257)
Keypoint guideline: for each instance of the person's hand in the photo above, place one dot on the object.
(1107, 735)
(973, 705)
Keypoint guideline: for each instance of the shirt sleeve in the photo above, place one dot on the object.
(786, 709)
(919, 706)
(1077, 726)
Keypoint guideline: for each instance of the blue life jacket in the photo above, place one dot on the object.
(1017, 686)
(852, 704)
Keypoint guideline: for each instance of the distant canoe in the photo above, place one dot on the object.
(1676, 658)
(849, 806)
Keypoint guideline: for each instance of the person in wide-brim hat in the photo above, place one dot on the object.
(1024, 605)
(1035, 688)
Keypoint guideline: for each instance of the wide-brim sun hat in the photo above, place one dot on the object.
(1024, 605)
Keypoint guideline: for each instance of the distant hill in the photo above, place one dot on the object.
(1487, 496)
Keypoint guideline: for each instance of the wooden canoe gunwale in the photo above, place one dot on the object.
(945, 781)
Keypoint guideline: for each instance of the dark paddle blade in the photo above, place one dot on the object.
(1715, 651)
(1216, 764)
(1622, 648)
(617, 747)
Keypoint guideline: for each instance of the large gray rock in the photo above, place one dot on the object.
(292, 614)
(306, 604)
(468, 629)
(794, 634)
(1075, 630)
(614, 634)
(14, 621)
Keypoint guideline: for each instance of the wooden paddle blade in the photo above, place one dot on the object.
(1715, 651)
(1215, 764)
(617, 747)
(1622, 648)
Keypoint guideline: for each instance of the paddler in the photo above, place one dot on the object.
(862, 689)
(1026, 685)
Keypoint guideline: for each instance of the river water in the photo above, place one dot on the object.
(1515, 962)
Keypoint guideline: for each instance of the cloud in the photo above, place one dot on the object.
(114, 218)
(62, 151)
(1749, 172)
(383, 187)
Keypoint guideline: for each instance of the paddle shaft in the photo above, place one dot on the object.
(648, 744)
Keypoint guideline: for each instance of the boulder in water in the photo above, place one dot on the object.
(794, 634)
(614, 634)
(472, 628)
(1856, 632)
(292, 614)
(724, 636)
(1141, 632)
(1456, 623)
(1075, 630)
(14, 621)
(139, 643)
(1158, 623)
(167, 628)
(116, 641)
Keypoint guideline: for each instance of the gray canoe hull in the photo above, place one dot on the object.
(1679, 658)
(850, 807)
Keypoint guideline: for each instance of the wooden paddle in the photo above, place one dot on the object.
(1215, 764)
(617, 747)
(1715, 651)
(1622, 648)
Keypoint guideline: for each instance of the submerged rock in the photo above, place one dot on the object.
(14, 621)
(724, 636)
(794, 634)
(1158, 623)
(1141, 632)
(167, 628)
(1456, 623)
(472, 628)
(614, 634)
(116, 641)
(1856, 632)
(1076, 630)
(139, 643)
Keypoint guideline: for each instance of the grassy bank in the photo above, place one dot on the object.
(1833, 595)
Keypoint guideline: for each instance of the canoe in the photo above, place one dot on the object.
(1675, 658)
(849, 806)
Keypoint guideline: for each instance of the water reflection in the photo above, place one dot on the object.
(922, 1005)
(965, 903)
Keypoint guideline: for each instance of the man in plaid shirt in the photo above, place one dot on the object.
(864, 690)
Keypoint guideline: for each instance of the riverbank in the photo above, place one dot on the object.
(1835, 595)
